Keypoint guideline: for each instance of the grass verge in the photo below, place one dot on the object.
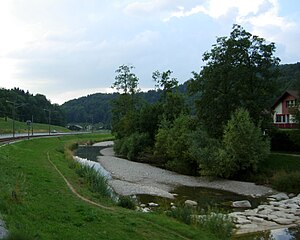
(36, 203)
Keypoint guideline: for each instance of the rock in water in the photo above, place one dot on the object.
(280, 196)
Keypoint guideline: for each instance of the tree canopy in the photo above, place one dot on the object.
(240, 72)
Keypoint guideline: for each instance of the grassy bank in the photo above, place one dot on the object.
(21, 127)
(36, 202)
(281, 171)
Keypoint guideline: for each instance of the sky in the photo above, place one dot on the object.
(66, 49)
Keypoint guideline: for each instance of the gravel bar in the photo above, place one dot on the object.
(131, 178)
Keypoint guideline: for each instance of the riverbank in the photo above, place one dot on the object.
(131, 178)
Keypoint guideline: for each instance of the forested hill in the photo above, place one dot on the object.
(290, 73)
(29, 107)
(95, 108)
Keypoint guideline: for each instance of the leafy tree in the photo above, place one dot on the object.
(163, 80)
(240, 72)
(173, 142)
(244, 146)
(125, 80)
(239, 152)
(172, 102)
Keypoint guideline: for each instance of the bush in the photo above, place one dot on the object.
(287, 182)
(205, 150)
(133, 146)
(173, 142)
(285, 140)
(127, 202)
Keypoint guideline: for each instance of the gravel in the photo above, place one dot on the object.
(130, 178)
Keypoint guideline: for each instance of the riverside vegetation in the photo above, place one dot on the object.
(36, 203)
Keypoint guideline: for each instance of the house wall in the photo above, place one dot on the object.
(284, 107)
(282, 111)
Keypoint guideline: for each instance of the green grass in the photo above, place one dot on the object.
(36, 203)
(281, 171)
(21, 127)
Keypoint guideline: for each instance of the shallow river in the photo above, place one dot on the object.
(206, 198)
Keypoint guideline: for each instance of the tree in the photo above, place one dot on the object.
(239, 152)
(244, 146)
(125, 106)
(240, 72)
(125, 80)
(172, 101)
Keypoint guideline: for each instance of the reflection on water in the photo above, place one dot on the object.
(88, 152)
(278, 234)
(205, 197)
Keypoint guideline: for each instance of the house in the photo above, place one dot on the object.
(283, 109)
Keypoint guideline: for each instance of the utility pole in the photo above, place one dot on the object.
(13, 114)
(49, 118)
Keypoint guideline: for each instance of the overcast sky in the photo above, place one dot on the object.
(66, 49)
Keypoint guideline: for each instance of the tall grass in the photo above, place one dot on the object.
(288, 182)
(96, 182)
(218, 224)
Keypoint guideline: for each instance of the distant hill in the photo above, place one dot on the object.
(29, 107)
(96, 107)
(290, 73)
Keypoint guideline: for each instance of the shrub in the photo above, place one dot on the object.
(173, 142)
(285, 140)
(244, 146)
(127, 202)
(132, 146)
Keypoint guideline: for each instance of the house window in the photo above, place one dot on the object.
(291, 103)
(278, 118)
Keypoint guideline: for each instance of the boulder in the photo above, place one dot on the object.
(280, 196)
(241, 204)
(190, 203)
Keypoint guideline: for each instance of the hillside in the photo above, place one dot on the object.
(95, 108)
(29, 107)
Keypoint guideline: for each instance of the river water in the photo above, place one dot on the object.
(206, 199)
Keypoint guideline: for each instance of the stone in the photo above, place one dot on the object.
(292, 205)
(152, 204)
(296, 212)
(143, 205)
(284, 221)
(241, 204)
(291, 195)
(256, 219)
(190, 203)
(265, 211)
(242, 220)
(280, 196)
(145, 210)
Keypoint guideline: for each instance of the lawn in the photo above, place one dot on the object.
(36, 203)
(21, 127)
